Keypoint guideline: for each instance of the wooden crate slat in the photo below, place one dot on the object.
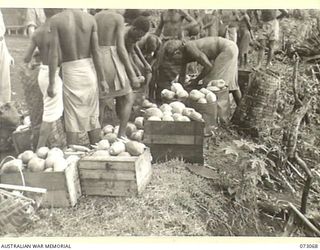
(170, 139)
(109, 188)
(107, 174)
(73, 183)
(56, 198)
(49, 181)
(105, 164)
(173, 128)
(115, 159)
(143, 171)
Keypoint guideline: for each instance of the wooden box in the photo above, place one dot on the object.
(22, 140)
(115, 175)
(63, 188)
(168, 140)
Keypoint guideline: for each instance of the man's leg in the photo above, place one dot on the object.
(72, 138)
(271, 46)
(44, 133)
(240, 59)
(123, 107)
(245, 58)
(261, 53)
(94, 136)
(148, 77)
(236, 96)
(102, 109)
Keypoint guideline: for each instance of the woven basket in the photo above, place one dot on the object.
(255, 113)
(16, 210)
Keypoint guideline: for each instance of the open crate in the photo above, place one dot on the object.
(115, 175)
(168, 140)
(63, 188)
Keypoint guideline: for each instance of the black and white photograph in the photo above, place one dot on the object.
(159, 122)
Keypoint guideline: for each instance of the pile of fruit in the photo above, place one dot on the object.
(177, 92)
(175, 111)
(118, 148)
(44, 160)
(111, 146)
(207, 95)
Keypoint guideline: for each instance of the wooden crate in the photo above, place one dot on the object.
(22, 140)
(168, 140)
(114, 175)
(63, 188)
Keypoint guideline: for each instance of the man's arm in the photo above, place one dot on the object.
(246, 18)
(160, 26)
(94, 46)
(201, 58)
(183, 72)
(191, 21)
(32, 46)
(53, 57)
(209, 24)
(141, 57)
(30, 21)
(122, 52)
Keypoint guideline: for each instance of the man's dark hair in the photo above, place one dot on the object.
(142, 23)
(49, 12)
(146, 13)
(131, 14)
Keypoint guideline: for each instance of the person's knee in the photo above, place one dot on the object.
(129, 98)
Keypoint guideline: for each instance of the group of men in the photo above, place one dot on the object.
(96, 67)
(104, 58)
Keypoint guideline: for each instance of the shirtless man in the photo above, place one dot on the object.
(210, 23)
(119, 72)
(217, 55)
(75, 33)
(171, 24)
(268, 34)
(52, 107)
(139, 29)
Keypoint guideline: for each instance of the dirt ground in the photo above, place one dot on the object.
(175, 203)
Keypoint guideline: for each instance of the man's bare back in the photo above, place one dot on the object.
(74, 29)
(111, 33)
(210, 46)
(108, 22)
(41, 38)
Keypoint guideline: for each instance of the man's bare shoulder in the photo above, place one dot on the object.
(58, 19)
(110, 14)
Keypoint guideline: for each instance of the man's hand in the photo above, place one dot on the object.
(135, 82)
(51, 91)
(104, 87)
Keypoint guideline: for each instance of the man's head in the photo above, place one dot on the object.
(153, 43)
(130, 15)
(174, 49)
(139, 28)
(51, 12)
